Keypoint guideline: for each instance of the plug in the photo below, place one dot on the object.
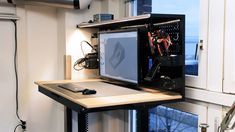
(23, 124)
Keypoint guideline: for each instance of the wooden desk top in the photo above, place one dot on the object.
(107, 94)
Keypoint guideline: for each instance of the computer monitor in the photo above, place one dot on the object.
(119, 55)
(126, 57)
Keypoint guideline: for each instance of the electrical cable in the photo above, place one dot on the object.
(80, 62)
(218, 128)
(84, 41)
(17, 127)
(16, 72)
(23, 123)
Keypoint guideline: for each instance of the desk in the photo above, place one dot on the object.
(108, 97)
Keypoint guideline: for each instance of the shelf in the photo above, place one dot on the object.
(6, 16)
(134, 21)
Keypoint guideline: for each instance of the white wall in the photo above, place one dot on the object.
(38, 60)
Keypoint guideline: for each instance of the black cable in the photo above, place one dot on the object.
(84, 41)
(16, 72)
(218, 130)
(80, 62)
(23, 123)
(17, 127)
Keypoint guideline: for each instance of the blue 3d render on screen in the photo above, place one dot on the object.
(118, 56)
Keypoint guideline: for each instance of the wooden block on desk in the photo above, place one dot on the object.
(67, 67)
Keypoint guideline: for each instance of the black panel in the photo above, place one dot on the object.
(82, 122)
(9, 1)
(68, 120)
(76, 4)
(142, 121)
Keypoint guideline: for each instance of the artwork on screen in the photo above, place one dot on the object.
(118, 56)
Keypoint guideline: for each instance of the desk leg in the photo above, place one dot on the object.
(82, 122)
(142, 120)
(68, 120)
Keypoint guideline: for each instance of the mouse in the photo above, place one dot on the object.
(88, 92)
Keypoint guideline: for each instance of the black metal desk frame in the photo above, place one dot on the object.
(82, 113)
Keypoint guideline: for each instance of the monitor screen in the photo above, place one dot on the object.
(118, 56)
